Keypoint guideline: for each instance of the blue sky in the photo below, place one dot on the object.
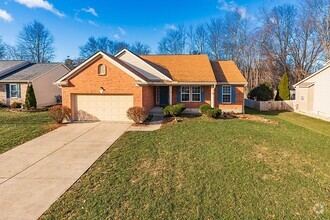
(73, 21)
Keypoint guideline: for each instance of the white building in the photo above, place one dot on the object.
(313, 94)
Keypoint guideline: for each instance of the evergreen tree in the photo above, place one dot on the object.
(30, 98)
(283, 92)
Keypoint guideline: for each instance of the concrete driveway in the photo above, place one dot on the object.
(37, 173)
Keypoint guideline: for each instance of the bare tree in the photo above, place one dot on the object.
(2, 49)
(319, 12)
(306, 48)
(140, 48)
(215, 38)
(36, 43)
(174, 41)
(278, 24)
(201, 39)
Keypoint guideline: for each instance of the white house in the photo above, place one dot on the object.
(313, 94)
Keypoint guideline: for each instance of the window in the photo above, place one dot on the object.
(196, 93)
(226, 94)
(14, 90)
(185, 93)
(191, 93)
(102, 70)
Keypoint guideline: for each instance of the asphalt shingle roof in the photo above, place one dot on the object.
(29, 72)
(6, 64)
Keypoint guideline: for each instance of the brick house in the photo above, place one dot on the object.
(105, 86)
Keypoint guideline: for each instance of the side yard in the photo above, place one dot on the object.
(17, 128)
(209, 169)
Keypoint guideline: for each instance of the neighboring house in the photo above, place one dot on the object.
(105, 86)
(312, 93)
(16, 75)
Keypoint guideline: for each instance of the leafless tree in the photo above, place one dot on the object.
(174, 41)
(140, 48)
(36, 42)
(215, 38)
(2, 49)
(201, 39)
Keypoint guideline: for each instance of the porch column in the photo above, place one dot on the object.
(212, 96)
(170, 95)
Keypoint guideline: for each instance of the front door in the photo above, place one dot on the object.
(163, 95)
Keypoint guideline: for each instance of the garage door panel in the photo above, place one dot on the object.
(102, 107)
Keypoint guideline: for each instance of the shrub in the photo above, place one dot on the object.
(16, 105)
(213, 113)
(166, 110)
(58, 113)
(2, 105)
(30, 98)
(137, 114)
(177, 109)
(204, 108)
(283, 92)
(263, 92)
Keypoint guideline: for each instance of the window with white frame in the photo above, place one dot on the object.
(226, 94)
(191, 93)
(196, 93)
(185, 93)
(14, 90)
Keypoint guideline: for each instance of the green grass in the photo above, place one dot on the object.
(17, 128)
(209, 169)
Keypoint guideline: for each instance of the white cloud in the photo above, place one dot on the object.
(121, 31)
(116, 36)
(92, 23)
(232, 6)
(4, 15)
(170, 27)
(41, 4)
(90, 10)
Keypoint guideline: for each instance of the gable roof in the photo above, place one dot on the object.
(183, 68)
(7, 66)
(114, 60)
(28, 72)
(227, 71)
(326, 66)
(140, 65)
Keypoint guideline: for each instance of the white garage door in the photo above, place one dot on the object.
(102, 107)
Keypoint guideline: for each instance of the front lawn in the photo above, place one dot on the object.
(17, 128)
(209, 169)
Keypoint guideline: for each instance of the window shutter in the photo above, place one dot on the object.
(19, 90)
(202, 94)
(179, 94)
(220, 95)
(7, 91)
(233, 94)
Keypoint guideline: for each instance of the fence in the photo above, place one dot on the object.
(270, 105)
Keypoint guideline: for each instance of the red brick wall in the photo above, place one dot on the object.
(149, 99)
(114, 82)
(239, 101)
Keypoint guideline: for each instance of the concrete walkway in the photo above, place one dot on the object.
(37, 173)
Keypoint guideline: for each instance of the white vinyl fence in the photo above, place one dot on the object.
(270, 105)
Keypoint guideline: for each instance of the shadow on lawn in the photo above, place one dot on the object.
(256, 112)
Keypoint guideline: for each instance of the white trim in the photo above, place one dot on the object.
(223, 102)
(94, 57)
(312, 75)
(212, 96)
(123, 51)
(170, 95)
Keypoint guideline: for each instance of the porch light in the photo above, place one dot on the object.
(102, 90)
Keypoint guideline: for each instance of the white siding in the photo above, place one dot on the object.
(320, 97)
(142, 67)
(44, 89)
